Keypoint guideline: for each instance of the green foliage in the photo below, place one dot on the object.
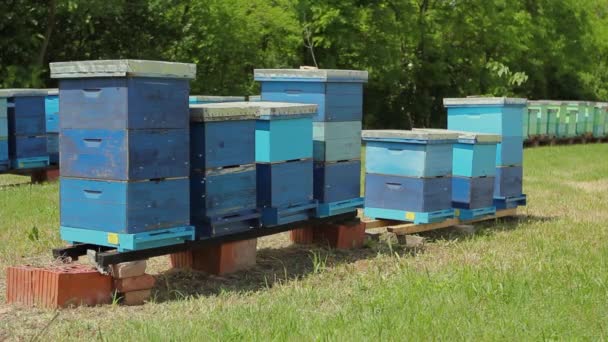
(417, 51)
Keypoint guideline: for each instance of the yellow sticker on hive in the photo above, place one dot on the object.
(410, 216)
(457, 212)
(113, 238)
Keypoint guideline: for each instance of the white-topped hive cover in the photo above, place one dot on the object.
(224, 111)
(472, 136)
(210, 98)
(53, 91)
(122, 68)
(4, 93)
(408, 135)
(484, 101)
(321, 75)
(601, 104)
(276, 109)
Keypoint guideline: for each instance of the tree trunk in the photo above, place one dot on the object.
(50, 26)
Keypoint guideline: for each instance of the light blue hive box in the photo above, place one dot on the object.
(337, 93)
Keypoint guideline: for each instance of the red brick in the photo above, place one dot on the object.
(144, 282)
(342, 236)
(129, 269)
(181, 260)
(302, 235)
(225, 258)
(58, 286)
(136, 297)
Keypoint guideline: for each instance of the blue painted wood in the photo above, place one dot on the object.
(508, 181)
(27, 146)
(409, 216)
(125, 154)
(124, 103)
(124, 207)
(334, 182)
(283, 139)
(340, 207)
(337, 101)
(222, 143)
(52, 147)
(26, 116)
(472, 214)
(510, 151)
(128, 242)
(222, 192)
(51, 104)
(409, 160)
(4, 158)
(503, 120)
(30, 163)
(474, 160)
(285, 184)
(472, 193)
(228, 224)
(408, 193)
(510, 202)
(284, 215)
(3, 118)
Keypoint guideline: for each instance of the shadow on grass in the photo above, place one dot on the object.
(279, 265)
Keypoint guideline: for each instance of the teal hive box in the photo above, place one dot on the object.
(336, 141)
(579, 117)
(492, 115)
(337, 93)
(283, 131)
(532, 119)
(474, 154)
(409, 153)
(554, 110)
(204, 99)
(599, 119)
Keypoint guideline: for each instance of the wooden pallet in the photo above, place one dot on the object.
(401, 228)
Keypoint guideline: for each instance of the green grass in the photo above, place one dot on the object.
(544, 276)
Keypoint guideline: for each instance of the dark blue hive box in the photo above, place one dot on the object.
(222, 134)
(27, 147)
(472, 193)
(337, 181)
(26, 115)
(508, 182)
(124, 154)
(124, 207)
(52, 147)
(338, 93)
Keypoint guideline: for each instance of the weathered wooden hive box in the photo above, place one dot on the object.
(25, 123)
(408, 175)
(223, 171)
(124, 152)
(283, 153)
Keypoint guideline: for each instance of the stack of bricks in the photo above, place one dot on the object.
(26, 128)
(502, 116)
(283, 154)
(131, 283)
(124, 152)
(51, 108)
(409, 175)
(223, 170)
(336, 129)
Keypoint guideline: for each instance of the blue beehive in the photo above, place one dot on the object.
(409, 153)
(408, 175)
(51, 110)
(223, 172)
(26, 127)
(52, 147)
(337, 93)
(336, 182)
(4, 159)
(284, 161)
(125, 152)
(205, 99)
(336, 141)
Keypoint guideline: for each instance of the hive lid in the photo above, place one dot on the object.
(53, 92)
(224, 111)
(466, 137)
(255, 98)
(122, 68)
(311, 75)
(601, 104)
(274, 110)
(208, 98)
(22, 92)
(412, 136)
(487, 101)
